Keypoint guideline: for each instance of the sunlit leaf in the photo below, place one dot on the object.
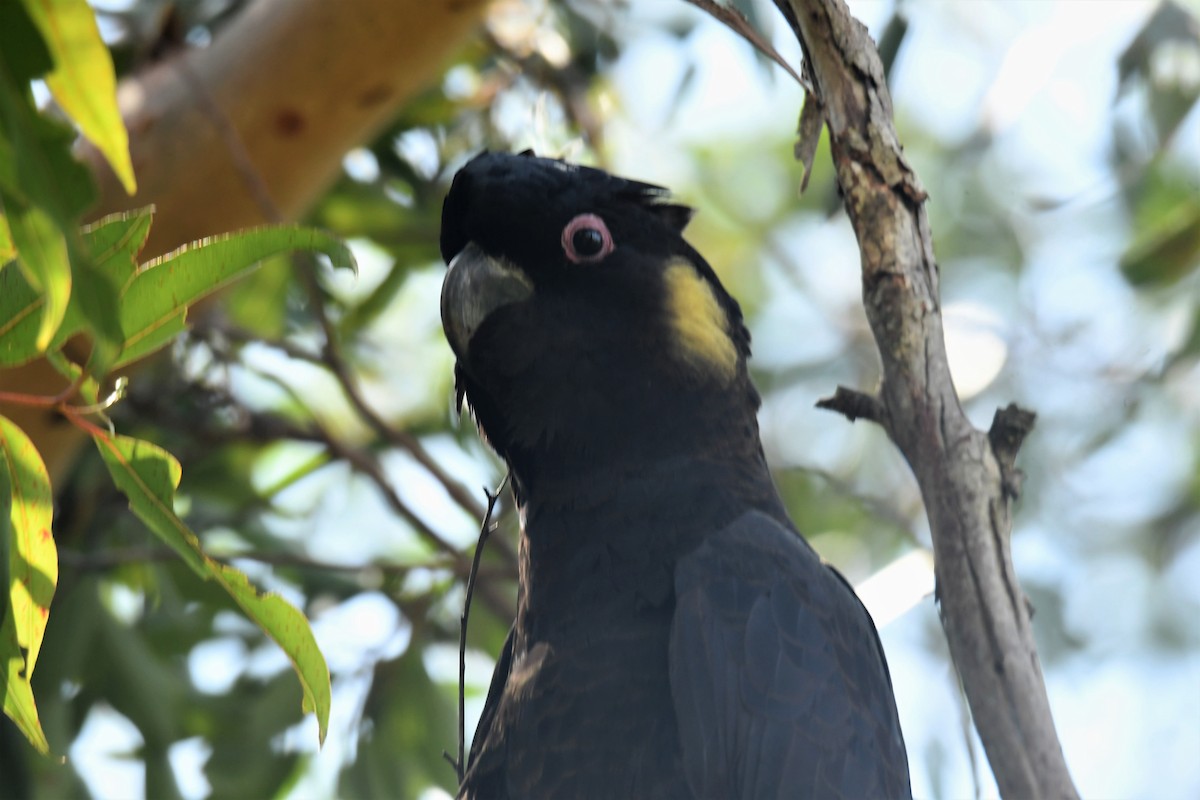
(112, 245)
(32, 572)
(258, 302)
(82, 80)
(154, 305)
(19, 705)
(148, 476)
(19, 305)
(46, 189)
(6, 534)
(33, 561)
(46, 174)
(42, 254)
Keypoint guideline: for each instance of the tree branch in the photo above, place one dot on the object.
(960, 470)
(335, 361)
(251, 426)
(853, 404)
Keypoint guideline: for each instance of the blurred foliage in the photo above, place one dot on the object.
(313, 419)
(60, 284)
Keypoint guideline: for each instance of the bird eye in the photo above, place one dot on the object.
(586, 239)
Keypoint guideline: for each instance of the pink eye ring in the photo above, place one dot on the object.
(586, 239)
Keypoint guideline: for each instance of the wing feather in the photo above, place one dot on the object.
(778, 679)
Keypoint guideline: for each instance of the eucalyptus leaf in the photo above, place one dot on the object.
(148, 476)
(154, 305)
(82, 80)
(32, 573)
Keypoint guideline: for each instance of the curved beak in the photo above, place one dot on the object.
(476, 285)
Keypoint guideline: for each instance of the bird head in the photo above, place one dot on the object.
(587, 331)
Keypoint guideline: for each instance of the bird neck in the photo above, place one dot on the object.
(627, 434)
(603, 542)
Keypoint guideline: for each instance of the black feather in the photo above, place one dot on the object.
(675, 637)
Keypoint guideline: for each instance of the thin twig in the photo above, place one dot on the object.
(254, 426)
(107, 559)
(853, 404)
(367, 465)
(736, 21)
(41, 401)
(331, 356)
(485, 529)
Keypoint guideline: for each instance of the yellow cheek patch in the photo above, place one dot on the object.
(699, 323)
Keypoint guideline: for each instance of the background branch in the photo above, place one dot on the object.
(965, 490)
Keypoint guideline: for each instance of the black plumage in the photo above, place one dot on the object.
(675, 636)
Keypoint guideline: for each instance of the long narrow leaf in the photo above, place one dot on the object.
(20, 305)
(83, 81)
(33, 558)
(148, 476)
(155, 303)
(7, 250)
(32, 573)
(112, 244)
(46, 174)
(42, 254)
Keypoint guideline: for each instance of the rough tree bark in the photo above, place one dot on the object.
(270, 107)
(966, 477)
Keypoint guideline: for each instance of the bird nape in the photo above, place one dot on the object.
(675, 636)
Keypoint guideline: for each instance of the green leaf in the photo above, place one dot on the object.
(258, 302)
(19, 305)
(1167, 252)
(7, 533)
(155, 303)
(32, 573)
(42, 254)
(23, 54)
(45, 189)
(46, 173)
(8, 251)
(111, 246)
(148, 476)
(33, 561)
(114, 241)
(19, 705)
(83, 81)
(8, 165)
